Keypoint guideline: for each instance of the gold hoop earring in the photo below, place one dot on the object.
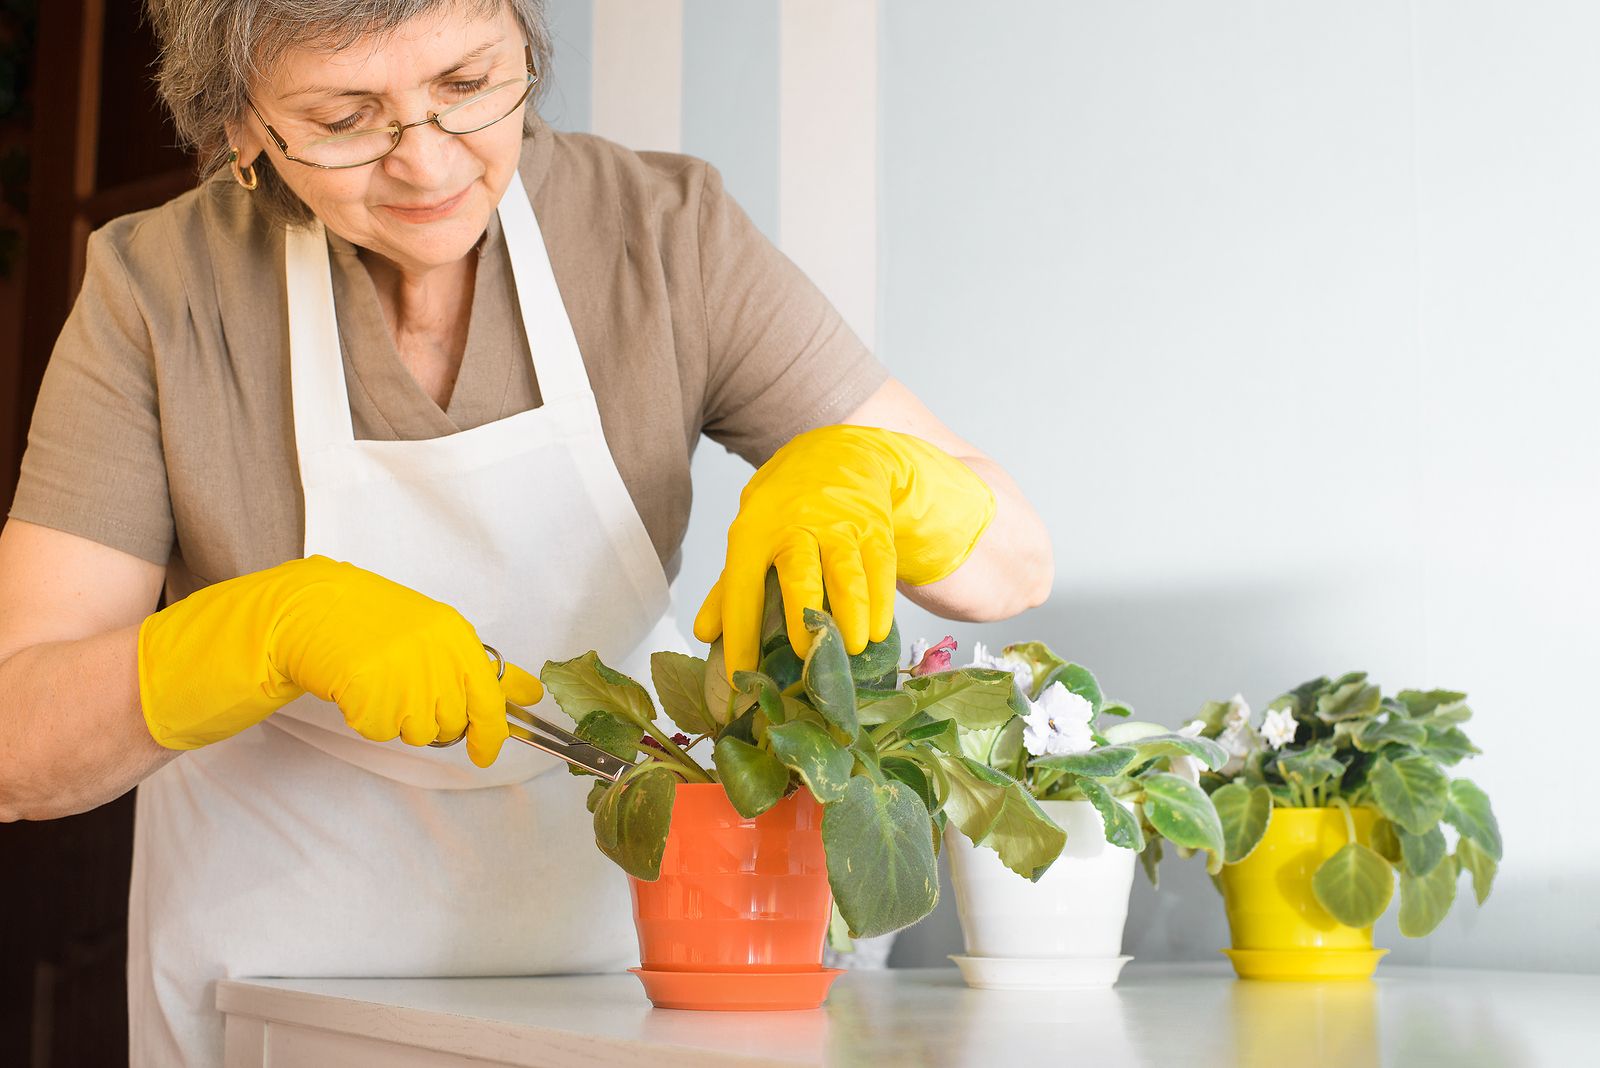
(245, 176)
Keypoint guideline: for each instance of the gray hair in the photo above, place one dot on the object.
(213, 50)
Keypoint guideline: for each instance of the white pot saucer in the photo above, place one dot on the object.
(1034, 973)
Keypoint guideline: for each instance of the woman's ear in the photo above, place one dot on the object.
(247, 138)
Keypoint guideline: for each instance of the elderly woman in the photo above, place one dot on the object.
(409, 373)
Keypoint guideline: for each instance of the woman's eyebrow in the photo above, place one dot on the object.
(335, 90)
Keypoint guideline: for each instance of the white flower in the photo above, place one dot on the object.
(1280, 727)
(1237, 736)
(1238, 715)
(1182, 764)
(1058, 723)
(981, 658)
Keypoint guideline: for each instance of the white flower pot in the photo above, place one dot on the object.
(1075, 912)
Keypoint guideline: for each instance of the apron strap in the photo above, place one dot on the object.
(557, 363)
(316, 364)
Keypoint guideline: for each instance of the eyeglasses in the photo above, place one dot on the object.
(359, 147)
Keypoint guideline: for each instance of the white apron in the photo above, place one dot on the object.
(298, 848)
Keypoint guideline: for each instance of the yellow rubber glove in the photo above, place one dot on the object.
(844, 510)
(397, 664)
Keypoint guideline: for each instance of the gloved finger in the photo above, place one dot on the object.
(708, 621)
(849, 597)
(742, 588)
(799, 564)
(450, 711)
(487, 729)
(419, 723)
(521, 687)
(879, 562)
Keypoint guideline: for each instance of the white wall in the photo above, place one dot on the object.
(1285, 315)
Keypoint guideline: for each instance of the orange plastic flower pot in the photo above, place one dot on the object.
(736, 895)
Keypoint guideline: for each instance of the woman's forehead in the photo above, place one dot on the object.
(429, 46)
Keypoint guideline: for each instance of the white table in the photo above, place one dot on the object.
(1161, 1014)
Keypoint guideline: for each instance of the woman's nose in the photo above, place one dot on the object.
(422, 156)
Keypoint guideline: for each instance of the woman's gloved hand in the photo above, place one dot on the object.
(397, 663)
(845, 510)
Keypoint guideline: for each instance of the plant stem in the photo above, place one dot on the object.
(694, 771)
(1349, 820)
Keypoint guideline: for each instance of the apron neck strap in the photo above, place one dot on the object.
(557, 362)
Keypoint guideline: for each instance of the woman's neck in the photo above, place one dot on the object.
(427, 314)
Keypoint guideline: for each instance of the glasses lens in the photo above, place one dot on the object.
(349, 150)
(484, 109)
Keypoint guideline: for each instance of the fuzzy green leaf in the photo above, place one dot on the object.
(1122, 828)
(1420, 852)
(1425, 899)
(1353, 700)
(880, 857)
(631, 820)
(1209, 752)
(827, 677)
(1184, 815)
(1077, 678)
(1467, 810)
(1482, 866)
(584, 684)
(1354, 885)
(724, 704)
(976, 698)
(754, 779)
(1244, 813)
(822, 764)
(1101, 763)
(1411, 791)
(878, 658)
(680, 684)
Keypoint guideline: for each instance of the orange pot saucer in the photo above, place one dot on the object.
(737, 991)
(1305, 965)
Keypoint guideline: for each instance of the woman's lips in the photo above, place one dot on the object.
(428, 212)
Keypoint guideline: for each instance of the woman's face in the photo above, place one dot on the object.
(427, 202)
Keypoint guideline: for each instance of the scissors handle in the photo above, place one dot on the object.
(531, 729)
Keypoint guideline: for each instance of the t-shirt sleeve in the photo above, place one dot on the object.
(781, 360)
(94, 464)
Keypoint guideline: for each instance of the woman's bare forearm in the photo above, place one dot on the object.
(1012, 567)
(72, 735)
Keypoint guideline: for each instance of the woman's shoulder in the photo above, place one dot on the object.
(588, 168)
(179, 245)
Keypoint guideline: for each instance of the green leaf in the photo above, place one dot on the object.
(1410, 791)
(926, 728)
(1116, 708)
(976, 698)
(1353, 700)
(1311, 766)
(973, 801)
(1122, 828)
(878, 658)
(596, 792)
(1432, 702)
(1386, 840)
(583, 685)
(1354, 885)
(911, 773)
(1133, 731)
(822, 764)
(1077, 678)
(1420, 852)
(1244, 814)
(1150, 861)
(765, 691)
(1470, 858)
(1373, 733)
(782, 666)
(1026, 839)
(827, 676)
(880, 857)
(893, 708)
(754, 779)
(1165, 745)
(723, 703)
(632, 818)
(1039, 656)
(1101, 763)
(680, 683)
(1448, 745)
(1425, 899)
(604, 731)
(1183, 814)
(1467, 810)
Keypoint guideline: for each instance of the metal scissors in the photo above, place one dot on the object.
(530, 729)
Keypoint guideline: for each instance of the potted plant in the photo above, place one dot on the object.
(827, 780)
(1335, 793)
(1114, 792)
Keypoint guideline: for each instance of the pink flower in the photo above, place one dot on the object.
(679, 739)
(936, 659)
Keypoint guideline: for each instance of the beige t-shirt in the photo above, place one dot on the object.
(164, 425)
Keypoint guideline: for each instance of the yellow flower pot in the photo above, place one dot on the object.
(1279, 930)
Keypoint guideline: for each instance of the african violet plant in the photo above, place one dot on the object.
(1057, 749)
(875, 749)
(1341, 743)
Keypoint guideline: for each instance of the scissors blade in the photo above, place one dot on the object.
(540, 733)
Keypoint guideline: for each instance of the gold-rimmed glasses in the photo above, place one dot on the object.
(359, 147)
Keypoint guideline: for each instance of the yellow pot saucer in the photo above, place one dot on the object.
(1311, 965)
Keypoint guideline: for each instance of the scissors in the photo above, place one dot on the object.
(540, 733)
